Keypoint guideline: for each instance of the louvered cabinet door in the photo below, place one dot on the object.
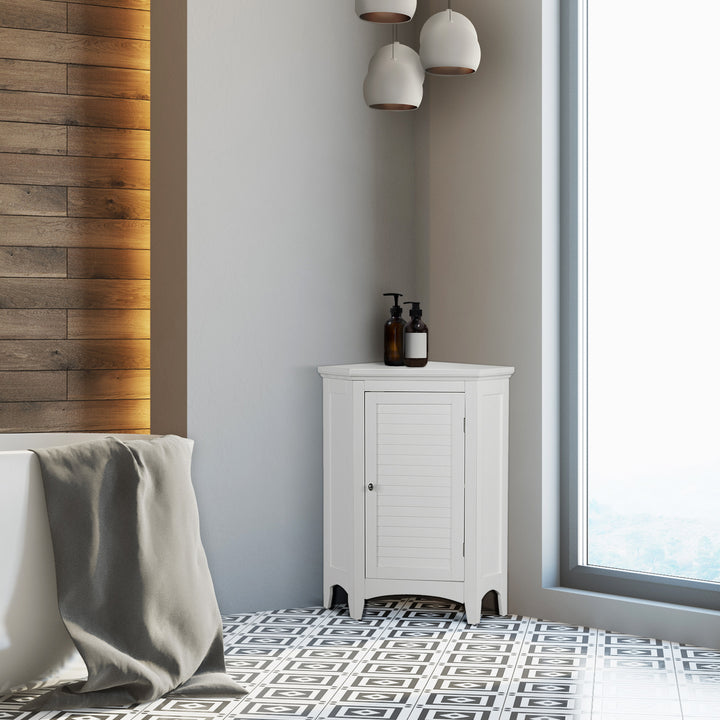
(414, 491)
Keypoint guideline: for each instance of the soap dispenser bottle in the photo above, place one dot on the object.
(416, 338)
(394, 328)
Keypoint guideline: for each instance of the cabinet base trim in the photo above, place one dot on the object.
(429, 588)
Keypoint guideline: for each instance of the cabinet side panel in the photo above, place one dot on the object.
(338, 478)
(486, 492)
(493, 486)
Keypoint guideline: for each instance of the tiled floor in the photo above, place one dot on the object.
(416, 659)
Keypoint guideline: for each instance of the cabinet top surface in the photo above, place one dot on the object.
(432, 371)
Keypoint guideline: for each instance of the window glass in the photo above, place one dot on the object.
(653, 287)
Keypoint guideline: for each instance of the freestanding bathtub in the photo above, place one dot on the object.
(33, 639)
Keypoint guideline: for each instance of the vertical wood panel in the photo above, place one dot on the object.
(74, 123)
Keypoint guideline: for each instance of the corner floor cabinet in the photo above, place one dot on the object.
(415, 482)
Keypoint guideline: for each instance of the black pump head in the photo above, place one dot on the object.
(415, 310)
(395, 310)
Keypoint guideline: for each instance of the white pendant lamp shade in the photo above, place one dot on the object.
(386, 11)
(449, 45)
(395, 79)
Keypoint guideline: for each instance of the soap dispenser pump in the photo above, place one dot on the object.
(416, 338)
(394, 327)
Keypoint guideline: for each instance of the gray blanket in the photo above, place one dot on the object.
(134, 588)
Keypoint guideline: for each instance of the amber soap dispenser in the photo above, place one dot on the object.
(416, 338)
(394, 327)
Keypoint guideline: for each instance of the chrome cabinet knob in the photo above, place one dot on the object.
(371, 487)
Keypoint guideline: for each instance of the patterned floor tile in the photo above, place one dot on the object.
(547, 703)
(293, 694)
(386, 697)
(377, 712)
(274, 710)
(467, 701)
(197, 706)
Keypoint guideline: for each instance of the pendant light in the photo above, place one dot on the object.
(449, 44)
(395, 78)
(386, 11)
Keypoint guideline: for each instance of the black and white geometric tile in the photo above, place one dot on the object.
(417, 659)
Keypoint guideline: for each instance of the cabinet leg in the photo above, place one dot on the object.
(328, 596)
(356, 607)
(502, 604)
(473, 613)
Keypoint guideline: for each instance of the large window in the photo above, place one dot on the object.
(643, 297)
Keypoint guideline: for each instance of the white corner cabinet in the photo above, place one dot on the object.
(415, 482)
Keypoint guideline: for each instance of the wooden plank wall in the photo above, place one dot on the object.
(74, 215)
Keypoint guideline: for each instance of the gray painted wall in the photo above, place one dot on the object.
(482, 234)
(300, 214)
(303, 206)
